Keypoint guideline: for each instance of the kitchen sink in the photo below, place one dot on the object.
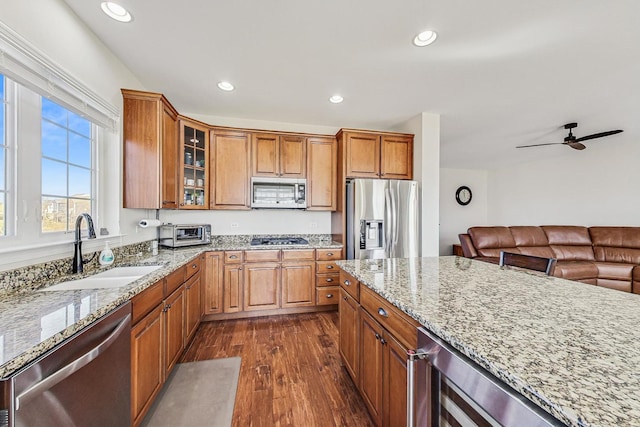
(113, 278)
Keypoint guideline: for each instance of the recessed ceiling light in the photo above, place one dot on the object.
(336, 99)
(226, 86)
(425, 38)
(115, 11)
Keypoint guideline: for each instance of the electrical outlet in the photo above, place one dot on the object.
(313, 225)
(235, 225)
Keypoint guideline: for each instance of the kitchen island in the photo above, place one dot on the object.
(570, 348)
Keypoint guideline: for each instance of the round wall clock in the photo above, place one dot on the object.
(463, 195)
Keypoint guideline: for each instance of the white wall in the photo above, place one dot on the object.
(426, 165)
(454, 218)
(597, 186)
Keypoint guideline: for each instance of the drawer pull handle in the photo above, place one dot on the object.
(233, 256)
(347, 282)
(329, 295)
(382, 312)
(194, 266)
(329, 253)
(329, 279)
(329, 267)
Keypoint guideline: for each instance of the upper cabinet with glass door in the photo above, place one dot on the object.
(194, 179)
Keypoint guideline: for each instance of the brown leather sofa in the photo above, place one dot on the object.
(602, 256)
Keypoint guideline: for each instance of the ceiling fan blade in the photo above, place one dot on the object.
(576, 145)
(598, 135)
(538, 145)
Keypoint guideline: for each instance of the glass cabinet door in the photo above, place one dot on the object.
(194, 176)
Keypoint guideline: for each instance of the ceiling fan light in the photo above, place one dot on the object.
(425, 38)
(336, 99)
(115, 11)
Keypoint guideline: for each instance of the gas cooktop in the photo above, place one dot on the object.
(278, 241)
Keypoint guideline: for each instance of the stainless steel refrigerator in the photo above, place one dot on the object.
(382, 219)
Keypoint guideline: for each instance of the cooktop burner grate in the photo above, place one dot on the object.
(272, 241)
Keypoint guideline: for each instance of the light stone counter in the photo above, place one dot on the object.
(32, 322)
(571, 348)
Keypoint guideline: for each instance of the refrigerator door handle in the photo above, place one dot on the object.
(395, 214)
(388, 222)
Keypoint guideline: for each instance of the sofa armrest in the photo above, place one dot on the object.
(468, 249)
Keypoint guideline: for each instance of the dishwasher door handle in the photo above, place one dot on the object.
(74, 366)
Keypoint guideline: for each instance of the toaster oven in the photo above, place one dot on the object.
(179, 235)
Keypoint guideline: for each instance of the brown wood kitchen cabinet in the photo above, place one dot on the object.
(385, 335)
(261, 285)
(163, 316)
(213, 283)
(327, 279)
(322, 163)
(298, 278)
(193, 179)
(150, 151)
(349, 327)
(377, 154)
(278, 155)
(229, 169)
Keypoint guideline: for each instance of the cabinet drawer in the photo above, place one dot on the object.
(233, 257)
(175, 279)
(332, 279)
(146, 300)
(328, 295)
(391, 318)
(192, 268)
(350, 284)
(328, 254)
(298, 255)
(326, 267)
(262, 256)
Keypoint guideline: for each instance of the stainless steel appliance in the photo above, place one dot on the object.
(382, 219)
(272, 241)
(278, 193)
(179, 235)
(444, 387)
(85, 381)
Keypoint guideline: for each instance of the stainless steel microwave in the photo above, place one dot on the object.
(179, 235)
(278, 193)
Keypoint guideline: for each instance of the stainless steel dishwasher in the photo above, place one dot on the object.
(85, 381)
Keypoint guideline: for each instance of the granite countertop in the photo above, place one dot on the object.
(33, 322)
(571, 348)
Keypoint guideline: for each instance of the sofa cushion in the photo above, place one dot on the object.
(572, 235)
(614, 270)
(576, 270)
(616, 244)
(620, 285)
(489, 241)
(531, 240)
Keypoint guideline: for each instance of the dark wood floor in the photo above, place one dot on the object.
(291, 374)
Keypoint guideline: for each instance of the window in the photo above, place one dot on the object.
(67, 167)
(3, 158)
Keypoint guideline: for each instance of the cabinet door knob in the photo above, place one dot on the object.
(329, 295)
(383, 341)
(347, 282)
(344, 298)
(382, 312)
(329, 279)
(377, 335)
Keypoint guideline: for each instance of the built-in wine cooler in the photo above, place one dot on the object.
(445, 388)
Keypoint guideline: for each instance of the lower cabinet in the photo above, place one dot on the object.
(213, 279)
(349, 344)
(374, 338)
(298, 284)
(147, 365)
(261, 286)
(162, 328)
(233, 279)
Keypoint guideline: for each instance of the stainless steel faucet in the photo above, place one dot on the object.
(78, 262)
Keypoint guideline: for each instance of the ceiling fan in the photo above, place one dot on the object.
(572, 141)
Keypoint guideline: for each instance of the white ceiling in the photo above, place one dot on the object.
(502, 72)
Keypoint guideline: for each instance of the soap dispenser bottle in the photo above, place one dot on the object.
(106, 256)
